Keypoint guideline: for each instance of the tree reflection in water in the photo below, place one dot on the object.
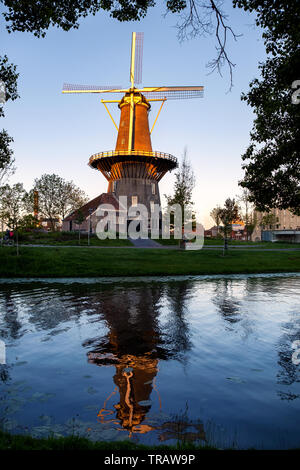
(231, 298)
(288, 372)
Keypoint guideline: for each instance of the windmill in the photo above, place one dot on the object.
(133, 169)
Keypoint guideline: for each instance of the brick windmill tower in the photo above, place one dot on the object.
(134, 169)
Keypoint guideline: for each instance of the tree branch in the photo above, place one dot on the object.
(206, 18)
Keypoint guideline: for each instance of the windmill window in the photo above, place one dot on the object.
(152, 206)
(134, 201)
(114, 187)
(153, 188)
(123, 141)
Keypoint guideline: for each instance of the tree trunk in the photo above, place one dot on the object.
(247, 221)
(52, 224)
(225, 248)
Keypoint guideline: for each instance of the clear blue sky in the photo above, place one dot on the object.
(56, 133)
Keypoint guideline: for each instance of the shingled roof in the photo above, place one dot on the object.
(92, 206)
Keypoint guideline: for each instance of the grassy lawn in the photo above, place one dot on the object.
(92, 262)
(209, 242)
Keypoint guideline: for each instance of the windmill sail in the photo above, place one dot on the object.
(138, 66)
(72, 88)
(173, 92)
(134, 95)
(173, 95)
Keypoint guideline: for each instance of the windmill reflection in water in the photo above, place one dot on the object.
(134, 345)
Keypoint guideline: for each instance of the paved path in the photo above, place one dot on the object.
(255, 246)
(145, 243)
(148, 243)
(247, 248)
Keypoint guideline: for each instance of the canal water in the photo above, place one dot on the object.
(208, 359)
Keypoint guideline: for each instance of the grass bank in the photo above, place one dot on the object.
(24, 442)
(74, 443)
(67, 238)
(93, 262)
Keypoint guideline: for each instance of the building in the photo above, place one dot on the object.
(134, 173)
(238, 231)
(48, 224)
(284, 227)
(211, 232)
(89, 212)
